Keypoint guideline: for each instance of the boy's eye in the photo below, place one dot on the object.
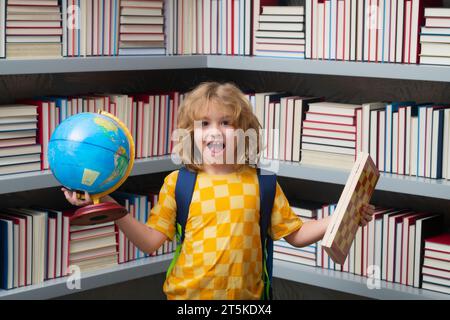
(204, 123)
(225, 123)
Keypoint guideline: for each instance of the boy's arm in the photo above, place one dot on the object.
(313, 231)
(310, 232)
(145, 238)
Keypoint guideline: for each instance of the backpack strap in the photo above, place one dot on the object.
(184, 189)
(267, 188)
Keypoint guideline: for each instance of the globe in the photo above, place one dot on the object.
(91, 152)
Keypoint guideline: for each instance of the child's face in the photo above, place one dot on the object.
(214, 135)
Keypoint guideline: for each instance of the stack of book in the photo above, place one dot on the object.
(281, 32)
(392, 245)
(142, 28)
(386, 31)
(435, 37)
(93, 247)
(19, 151)
(33, 29)
(90, 28)
(330, 134)
(436, 265)
(306, 211)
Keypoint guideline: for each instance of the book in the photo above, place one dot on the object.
(346, 218)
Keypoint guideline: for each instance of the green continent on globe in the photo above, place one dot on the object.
(108, 127)
(120, 165)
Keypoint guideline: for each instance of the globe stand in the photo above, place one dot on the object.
(98, 213)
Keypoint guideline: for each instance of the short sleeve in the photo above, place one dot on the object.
(284, 220)
(163, 214)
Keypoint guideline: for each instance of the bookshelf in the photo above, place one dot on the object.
(297, 66)
(45, 179)
(350, 283)
(325, 278)
(91, 280)
(314, 276)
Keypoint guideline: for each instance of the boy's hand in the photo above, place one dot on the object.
(366, 214)
(72, 197)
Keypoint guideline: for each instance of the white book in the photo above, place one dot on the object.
(395, 143)
(340, 34)
(283, 124)
(414, 146)
(407, 32)
(435, 31)
(248, 35)
(353, 30)
(434, 60)
(435, 49)
(297, 119)
(315, 30)
(380, 31)
(373, 136)
(280, 26)
(428, 142)
(434, 39)
(320, 31)
(214, 29)
(327, 31)
(308, 26)
(360, 31)
(347, 29)
(283, 10)
(378, 243)
(366, 13)
(333, 29)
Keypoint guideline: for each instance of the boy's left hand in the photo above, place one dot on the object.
(367, 212)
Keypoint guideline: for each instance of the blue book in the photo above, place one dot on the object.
(6, 254)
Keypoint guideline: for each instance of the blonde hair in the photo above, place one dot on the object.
(230, 98)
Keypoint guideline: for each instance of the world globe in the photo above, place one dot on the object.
(92, 152)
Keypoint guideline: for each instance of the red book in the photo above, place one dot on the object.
(439, 243)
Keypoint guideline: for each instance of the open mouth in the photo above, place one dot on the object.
(215, 146)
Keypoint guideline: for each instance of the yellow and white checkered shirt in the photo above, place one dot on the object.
(221, 256)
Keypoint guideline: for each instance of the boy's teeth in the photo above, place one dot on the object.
(216, 146)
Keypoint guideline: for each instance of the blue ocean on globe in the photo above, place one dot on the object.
(89, 152)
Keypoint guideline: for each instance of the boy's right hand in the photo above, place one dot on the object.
(72, 197)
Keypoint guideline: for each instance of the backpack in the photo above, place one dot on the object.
(267, 186)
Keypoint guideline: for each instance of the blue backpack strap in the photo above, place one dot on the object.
(184, 189)
(267, 188)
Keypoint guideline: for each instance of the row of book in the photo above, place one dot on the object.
(333, 29)
(435, 37)
(402, 137)
(398, 245)
(386, 31)
(39, 244)
(209, 27)
(26, 128)
(281, 32)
